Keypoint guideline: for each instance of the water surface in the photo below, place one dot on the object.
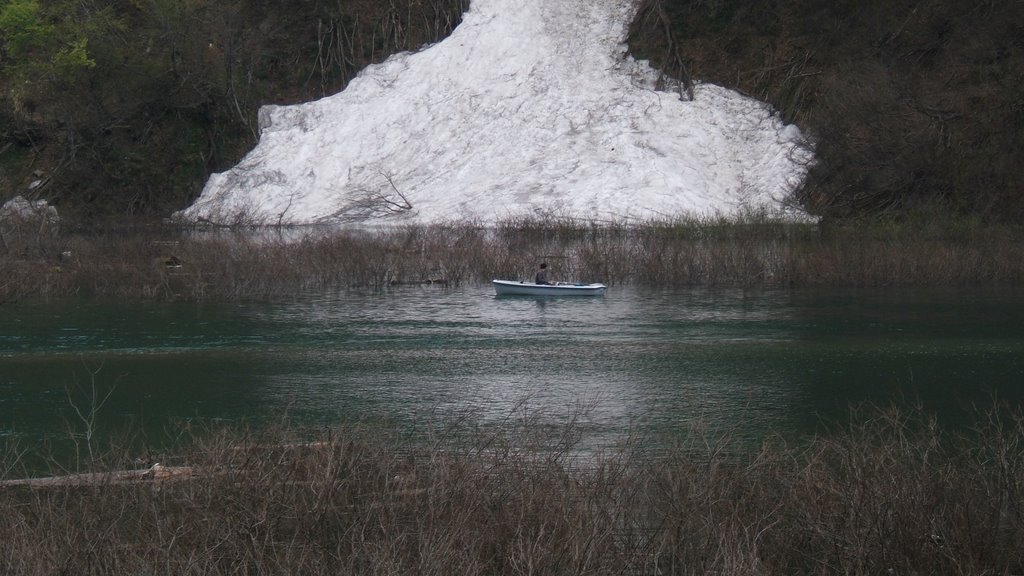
(754, 362)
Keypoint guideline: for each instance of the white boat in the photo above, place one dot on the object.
(516, 288)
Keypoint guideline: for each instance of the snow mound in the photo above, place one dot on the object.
(529, 107)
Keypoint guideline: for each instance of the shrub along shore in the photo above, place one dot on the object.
(888, 494)
(163, 262)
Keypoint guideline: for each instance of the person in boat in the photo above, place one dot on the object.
(542, 274)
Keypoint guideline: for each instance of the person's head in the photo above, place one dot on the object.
(543, 265)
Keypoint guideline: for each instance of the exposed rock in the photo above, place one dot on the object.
(28, 225)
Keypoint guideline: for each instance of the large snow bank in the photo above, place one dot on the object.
(529, 106)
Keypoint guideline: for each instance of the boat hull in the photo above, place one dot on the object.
(513, 288)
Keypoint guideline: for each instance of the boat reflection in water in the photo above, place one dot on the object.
(514, 288)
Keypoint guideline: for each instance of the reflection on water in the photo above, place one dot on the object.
(750, 361)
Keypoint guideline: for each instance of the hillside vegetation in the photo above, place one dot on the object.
(914, 107)
(124, 107)
(118, 107)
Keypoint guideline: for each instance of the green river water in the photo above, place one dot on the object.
(753, 362)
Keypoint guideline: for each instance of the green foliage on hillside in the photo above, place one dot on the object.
(125, 106)
(22, 26)
(913, 106)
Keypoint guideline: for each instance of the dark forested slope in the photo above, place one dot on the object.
(913, 105)
(125, 106)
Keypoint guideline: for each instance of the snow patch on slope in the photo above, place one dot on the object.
(530, 106)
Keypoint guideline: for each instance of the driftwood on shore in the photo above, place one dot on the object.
(155, 473)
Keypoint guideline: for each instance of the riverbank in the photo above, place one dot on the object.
(888, 493)
(169, 263)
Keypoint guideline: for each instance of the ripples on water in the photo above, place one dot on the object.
(655, 362)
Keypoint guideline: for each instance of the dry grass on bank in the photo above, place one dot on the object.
(169, 263)
(890, 494)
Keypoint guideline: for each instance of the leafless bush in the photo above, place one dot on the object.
(231, 264)
(889, 493)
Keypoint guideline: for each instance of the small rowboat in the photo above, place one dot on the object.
(514, 288)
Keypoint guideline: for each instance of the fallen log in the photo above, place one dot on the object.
(155, 473)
